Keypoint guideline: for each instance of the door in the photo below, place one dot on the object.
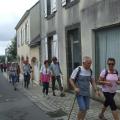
(36, 72)
(73, 50)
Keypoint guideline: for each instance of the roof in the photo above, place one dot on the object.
(25, 15)
(22, 19)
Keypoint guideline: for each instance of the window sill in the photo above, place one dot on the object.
(68, 5)
(50, 16)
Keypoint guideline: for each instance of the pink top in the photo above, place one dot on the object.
(45, 74)
(111, 78)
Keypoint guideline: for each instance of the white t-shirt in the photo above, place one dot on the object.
(83, 72)
(44, 70)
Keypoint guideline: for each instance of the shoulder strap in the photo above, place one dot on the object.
(116, 72)
(77, 75)
(91, 72)
(106, 73)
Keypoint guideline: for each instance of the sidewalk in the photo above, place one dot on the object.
(58, 107)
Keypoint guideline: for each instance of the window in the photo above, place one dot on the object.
(55, 46)
(26, 33)
(49, 7)
(69, 3)
(21, 36)
(51, 46)
(18, 39)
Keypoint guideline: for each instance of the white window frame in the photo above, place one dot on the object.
(63, 2)
(45, 7)
(26, 33)
(55, 46)
(53, 7)
(21, 34)
(18, 39)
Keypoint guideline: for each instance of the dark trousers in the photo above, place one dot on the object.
(13, 79)
(109, 100)
(26, 80)
(54, 78)
(18, 78)
(45, 87)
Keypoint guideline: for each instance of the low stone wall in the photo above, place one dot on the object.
(101, 98)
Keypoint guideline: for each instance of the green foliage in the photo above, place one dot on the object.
(12, 50)
(2, 59)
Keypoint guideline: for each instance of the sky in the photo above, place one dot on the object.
(11, 12)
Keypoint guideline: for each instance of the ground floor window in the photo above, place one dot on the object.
(107, 44)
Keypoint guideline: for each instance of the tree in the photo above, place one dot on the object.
(2, 59)
(12, 50)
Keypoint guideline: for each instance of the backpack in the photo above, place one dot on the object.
(106, 73)
(78, 72)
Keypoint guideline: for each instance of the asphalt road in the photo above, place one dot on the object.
(15, 106)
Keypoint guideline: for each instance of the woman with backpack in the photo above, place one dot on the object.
(45, 76)
(109, 80)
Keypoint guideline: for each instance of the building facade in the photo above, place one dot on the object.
(61, 34)
(28, 39)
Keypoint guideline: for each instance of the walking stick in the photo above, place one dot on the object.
(72, 107)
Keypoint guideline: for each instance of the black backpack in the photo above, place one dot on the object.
(78, 72)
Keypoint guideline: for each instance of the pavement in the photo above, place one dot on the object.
(58, 107)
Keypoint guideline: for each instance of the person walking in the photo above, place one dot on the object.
(18, 73)
(109, 80)
(1, 67)
(26, 73)
(13, 73)
(56, 72)
(80, 80)
(45, 76)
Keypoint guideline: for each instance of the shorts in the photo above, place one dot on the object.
(83, 102)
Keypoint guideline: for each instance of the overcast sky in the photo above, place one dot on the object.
(10, 13)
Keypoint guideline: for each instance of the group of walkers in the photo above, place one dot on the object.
(51, 72)
(80, 80)
(3, 67)
(14, 74)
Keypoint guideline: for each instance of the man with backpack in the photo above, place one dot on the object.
(56, 75)
(26, 73)
(80, 80)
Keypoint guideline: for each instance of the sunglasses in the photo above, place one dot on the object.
(111, 64)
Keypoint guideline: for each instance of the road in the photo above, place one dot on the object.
(15, 106)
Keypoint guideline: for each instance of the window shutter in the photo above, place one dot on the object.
(53, 6)
(45, 7)
(55, 45)
(46, 49)
(63, 2)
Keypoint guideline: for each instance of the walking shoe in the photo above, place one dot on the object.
(62, 94)
(54, 94)
(43, 94)
(15, 89)
(102, 117)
